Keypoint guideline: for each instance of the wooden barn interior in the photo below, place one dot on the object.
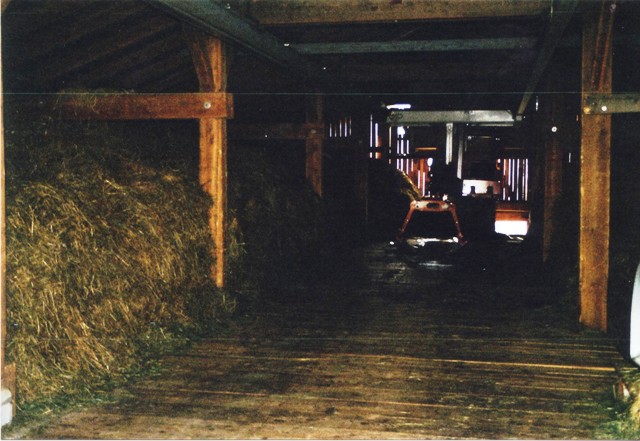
(546, 93)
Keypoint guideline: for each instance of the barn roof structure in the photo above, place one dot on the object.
(443, 54)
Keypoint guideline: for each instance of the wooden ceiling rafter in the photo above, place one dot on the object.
(561, 14)
(443, 45)
(34, 16)
(71, 31)
(165, 64)
(134, 60)
(71, 63)
(168, 81)
(214, 19)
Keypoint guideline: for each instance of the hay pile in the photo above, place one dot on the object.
(390, 195)
(277, 221)
(107, 257)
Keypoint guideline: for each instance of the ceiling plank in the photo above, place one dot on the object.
(100, 46)
(122, 64)
(101, 16)
(469, 44)
(300, 12)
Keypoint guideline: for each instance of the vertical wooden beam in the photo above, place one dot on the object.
(552, 173)
(595, 171)
(8, 371)
(361, 169)
(3, 252)
(314, 142)
(210, 61)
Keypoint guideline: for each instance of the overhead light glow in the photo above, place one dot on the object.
(402, 106)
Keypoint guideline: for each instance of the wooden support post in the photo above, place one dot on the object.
(210, 62)
(3, 251)
(8, 373)
(552, 174)
(313, 143)
(595, 169)
(361, 135)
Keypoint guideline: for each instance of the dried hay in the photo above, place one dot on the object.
(277, 221)
(634, 409)
(390, 195)
(109, 254)
(106, 256)
(625, 421)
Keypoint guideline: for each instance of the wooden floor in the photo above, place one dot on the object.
(384, 351)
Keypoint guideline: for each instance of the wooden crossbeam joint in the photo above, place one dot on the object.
(607, 103)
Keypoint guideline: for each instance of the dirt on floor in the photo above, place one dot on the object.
(383, 350)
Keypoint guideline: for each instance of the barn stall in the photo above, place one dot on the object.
(209, 160)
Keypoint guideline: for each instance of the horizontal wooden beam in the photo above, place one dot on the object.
(288, 131)
(297, 12)
(443, 45)
(131, 106)
(422, 117)
(611, 103)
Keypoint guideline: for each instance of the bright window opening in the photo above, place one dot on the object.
(512, 227)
